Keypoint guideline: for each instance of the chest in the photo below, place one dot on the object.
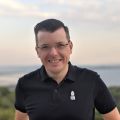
(60, 102)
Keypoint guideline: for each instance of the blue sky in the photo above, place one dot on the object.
(94, 27)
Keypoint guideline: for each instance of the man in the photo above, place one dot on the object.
(59, 90)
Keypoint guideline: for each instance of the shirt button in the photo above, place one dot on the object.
(56, 91)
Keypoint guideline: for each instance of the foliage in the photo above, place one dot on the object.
(6, 114)
(6, 104)
(115, 91)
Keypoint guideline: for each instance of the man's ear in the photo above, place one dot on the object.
(36, 51)
(71, 45)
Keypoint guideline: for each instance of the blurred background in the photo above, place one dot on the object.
(94, 28)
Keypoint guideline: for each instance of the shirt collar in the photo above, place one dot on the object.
(43, 74)
(70, 76)
(71, 73)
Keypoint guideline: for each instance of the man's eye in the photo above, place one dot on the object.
(60, 45)
(45, 47)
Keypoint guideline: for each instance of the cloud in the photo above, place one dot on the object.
(11, 4)
(87, 10)
(95, 10)
(15, 8)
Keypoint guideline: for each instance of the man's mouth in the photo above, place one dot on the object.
(54, 60)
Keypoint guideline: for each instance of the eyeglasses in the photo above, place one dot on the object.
(58, 46)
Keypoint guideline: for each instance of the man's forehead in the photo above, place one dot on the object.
(59, 31)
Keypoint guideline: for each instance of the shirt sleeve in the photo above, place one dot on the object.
(104, 101)
(19, 97)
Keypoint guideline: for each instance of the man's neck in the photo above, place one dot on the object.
(58, 77)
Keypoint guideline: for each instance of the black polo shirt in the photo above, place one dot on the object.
(75, 98)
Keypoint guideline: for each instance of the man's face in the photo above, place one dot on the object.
(54, 50)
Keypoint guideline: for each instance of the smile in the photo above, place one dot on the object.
(54, 60)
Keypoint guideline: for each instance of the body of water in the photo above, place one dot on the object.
(111, 77)
(10, 75)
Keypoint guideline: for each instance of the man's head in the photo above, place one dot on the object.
(53, 45)
(50, 25)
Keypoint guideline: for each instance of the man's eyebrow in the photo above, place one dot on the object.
(44, 44)
(61, 42)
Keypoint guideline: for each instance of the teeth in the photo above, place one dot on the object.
(54, 61)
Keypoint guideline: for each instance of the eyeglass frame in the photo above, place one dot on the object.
(59, 46)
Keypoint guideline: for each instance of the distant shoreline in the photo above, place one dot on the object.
(10, 74)
(22, 68)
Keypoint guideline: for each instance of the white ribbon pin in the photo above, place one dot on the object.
(72, 96)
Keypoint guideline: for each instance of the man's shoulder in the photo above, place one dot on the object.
(31, 75)
(29, 80)
(87, 76)
(84, 70)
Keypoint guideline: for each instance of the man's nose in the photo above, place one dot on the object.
(53, 51)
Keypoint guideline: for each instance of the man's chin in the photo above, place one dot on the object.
(55, 69)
